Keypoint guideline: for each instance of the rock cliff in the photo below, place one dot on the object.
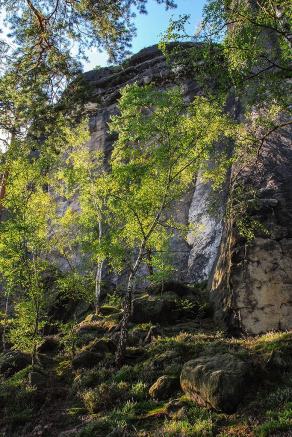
(251, 282)
(194, 258)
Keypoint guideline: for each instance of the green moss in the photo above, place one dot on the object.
(141, 327)
(184, 428)
(158, 411)
(277, 421)
(21, 417)
(148, 408)
(118, 399)
(19, 378)
(273, 341)
(97, 428)
(108, 310)
(75, 411)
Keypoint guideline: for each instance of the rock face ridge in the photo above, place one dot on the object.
(195, 257)
(251, 282)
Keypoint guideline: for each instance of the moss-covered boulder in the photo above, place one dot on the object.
(176, 287)
(109, 310)
(91, 327)
(155, 309)
(86, 360)
(219, 381)
(102, 346)
(50, 345)
(143, 334)
(164, 387)
(12, 362)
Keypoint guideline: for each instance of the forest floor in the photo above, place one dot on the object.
(77, 391)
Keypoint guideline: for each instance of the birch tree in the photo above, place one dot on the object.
(162, 144)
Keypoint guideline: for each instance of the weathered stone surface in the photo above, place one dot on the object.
(252, 284)
(176, 409)
(205, 239)
(218, 381)
(164, 387)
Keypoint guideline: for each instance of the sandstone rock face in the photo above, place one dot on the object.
(218, 381)
(204, 241)
(252, 284)
(195, 257)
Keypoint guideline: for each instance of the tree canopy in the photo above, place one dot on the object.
(44, 29)
(242, 44)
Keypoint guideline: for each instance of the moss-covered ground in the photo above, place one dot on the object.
(70, 399)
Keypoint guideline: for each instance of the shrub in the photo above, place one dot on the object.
(139, 391)
(104, 396)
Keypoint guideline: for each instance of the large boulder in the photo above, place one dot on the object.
(155, 309)
(219, 381)
(176, 287)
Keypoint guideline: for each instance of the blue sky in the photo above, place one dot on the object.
(149, 27)
(152, 25)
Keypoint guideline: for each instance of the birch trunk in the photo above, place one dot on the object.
(120, 354)
(3, 179)
(5, 324)
(98, 278)
(98, 275)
